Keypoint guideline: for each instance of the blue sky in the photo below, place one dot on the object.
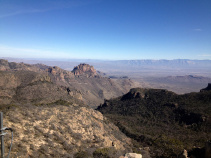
(106, 29)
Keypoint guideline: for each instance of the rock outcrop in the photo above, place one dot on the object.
(133, 155)
(84, 69)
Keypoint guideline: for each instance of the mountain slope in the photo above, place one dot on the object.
(161, 119)
(44, 84)
(45, 107)
(61, 131)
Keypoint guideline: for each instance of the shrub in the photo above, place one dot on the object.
(82, 154)
(105, 153)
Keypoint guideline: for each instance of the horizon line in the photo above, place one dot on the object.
(59, 59)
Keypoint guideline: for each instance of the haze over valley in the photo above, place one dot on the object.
(179, 75)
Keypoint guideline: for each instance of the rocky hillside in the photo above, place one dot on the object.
(166, 122)
(47, 107)
(41, 84)
(67, 130)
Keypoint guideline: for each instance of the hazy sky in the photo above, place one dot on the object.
(106, 29)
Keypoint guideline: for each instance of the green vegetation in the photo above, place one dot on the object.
(105, 153)
(83, 154)
(101, 153)
(162, 120)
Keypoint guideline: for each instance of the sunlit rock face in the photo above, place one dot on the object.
(84, 69)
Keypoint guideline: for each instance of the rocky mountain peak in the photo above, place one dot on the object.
(84, 69)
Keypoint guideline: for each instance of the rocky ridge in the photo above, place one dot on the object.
(45, 84)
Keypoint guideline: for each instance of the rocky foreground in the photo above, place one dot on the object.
(62, 131)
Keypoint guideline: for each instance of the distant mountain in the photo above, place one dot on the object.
(162, 120)
(172, 63)
(116, 64)
(187, 79)
(41, 84)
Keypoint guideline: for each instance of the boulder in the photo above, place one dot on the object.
(133, 155)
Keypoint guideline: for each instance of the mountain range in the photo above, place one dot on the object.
(48, 109)
(51, 111)
(148, 73)
(41, 84)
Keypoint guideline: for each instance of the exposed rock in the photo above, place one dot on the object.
(59, 75)
(133, 155)
(84, 69)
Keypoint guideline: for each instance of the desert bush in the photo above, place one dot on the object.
(67, 146)
(61, 102)
(44, 149)
(53, 127)
(77, 136)
(48, 135)
(32, 147)
(82, 154)
(105, 153)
